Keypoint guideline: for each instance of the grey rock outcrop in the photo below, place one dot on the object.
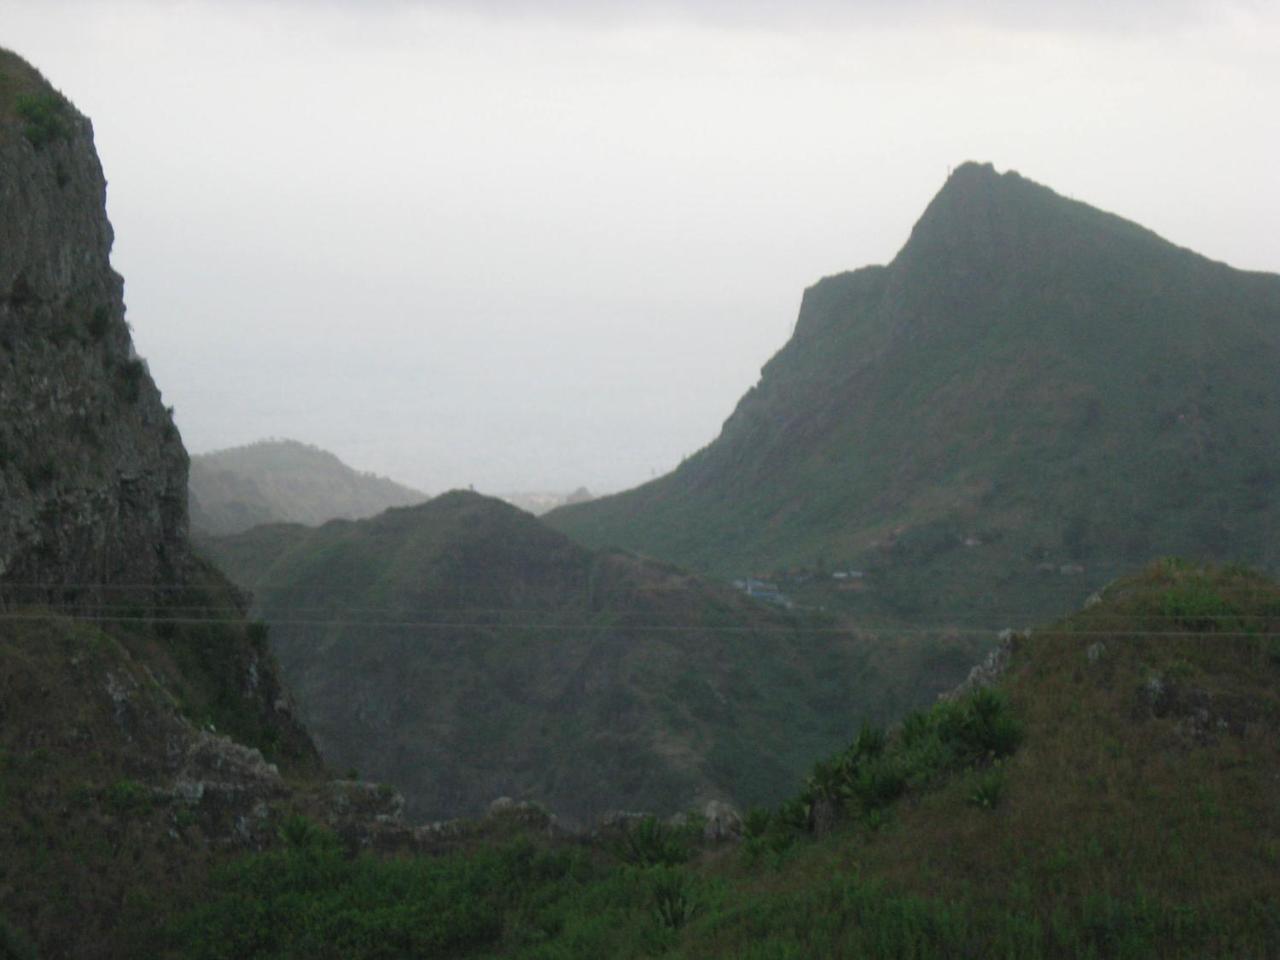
(992, 667)
(723, 822)
(92, 470)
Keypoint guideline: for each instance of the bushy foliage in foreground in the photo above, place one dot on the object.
(312, 900)
(525, 901)
(638, 897)
(864, 781)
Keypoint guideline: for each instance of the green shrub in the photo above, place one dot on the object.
(981, 726)
(649, 842)
(1194, 603)
(127, 796)
(675, 898)
(916, 729)
(867, 778)
(988, 788)
(299, 833)
(831, 780)
(870, 742)
(755, 822)
(879, 783)
(771, 836)
(47, 118)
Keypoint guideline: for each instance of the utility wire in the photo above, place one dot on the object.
(430, 625)
(290, 611)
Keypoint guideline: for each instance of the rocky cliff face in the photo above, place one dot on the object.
(143, 726)
(92, 470)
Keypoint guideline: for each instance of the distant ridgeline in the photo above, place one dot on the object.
(283, 481)
(1032, 397)
(464, 651)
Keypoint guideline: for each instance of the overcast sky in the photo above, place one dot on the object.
(532, 245)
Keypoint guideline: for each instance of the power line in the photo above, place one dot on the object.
(1004, 613)
(283, 612)
(431, 625)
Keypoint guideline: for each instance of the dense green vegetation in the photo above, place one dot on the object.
(526, 901)
(631, 895)
(1134, 745)
(463, 651)
(1032, 398)
(47, 117)
(41, 113)
(283, 481)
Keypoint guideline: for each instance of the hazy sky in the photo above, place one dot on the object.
(532, 245)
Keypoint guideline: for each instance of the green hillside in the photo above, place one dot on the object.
(463, 651)
(283, 481)
(1031, 398)
(1112, 796)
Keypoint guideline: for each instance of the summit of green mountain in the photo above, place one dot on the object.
(1033, 396)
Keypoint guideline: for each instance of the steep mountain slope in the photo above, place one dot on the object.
(125, 661)
(463, 651)
(283, 481)
(1136, 818)
(1033, 396)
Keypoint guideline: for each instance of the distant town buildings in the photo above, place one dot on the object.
(763, 590)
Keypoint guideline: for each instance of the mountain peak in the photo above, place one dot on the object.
(1060, 378)
(979, 209)
(971, 172)
(986, 223)
(284, 481)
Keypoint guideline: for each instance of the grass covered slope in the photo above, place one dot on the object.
(463, 651)
(283, 481)
(29, 102)
(1136, 818)
(1112, 796)
(1031, 386)
(115, 793)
